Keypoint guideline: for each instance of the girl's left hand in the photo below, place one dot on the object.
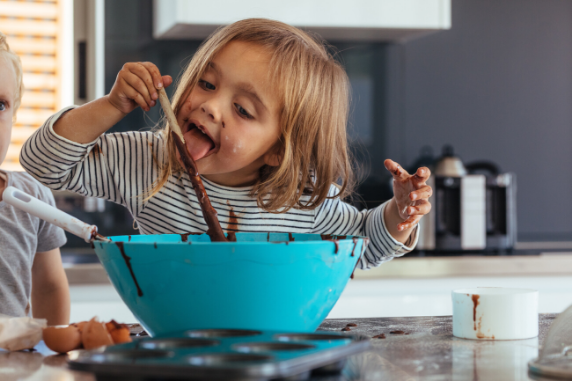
(410, 193)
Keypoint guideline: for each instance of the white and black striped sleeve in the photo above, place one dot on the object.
(118, 167)
(339, 218)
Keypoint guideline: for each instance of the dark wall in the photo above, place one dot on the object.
(497, 86)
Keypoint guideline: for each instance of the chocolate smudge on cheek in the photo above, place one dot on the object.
(210, 216)
(120, 246)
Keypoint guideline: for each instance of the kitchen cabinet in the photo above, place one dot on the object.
(339, 20)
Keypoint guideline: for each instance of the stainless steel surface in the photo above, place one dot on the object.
(555, 357)
(427, 352)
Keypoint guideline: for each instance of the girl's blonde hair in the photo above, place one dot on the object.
(314, 102)
(6, 52)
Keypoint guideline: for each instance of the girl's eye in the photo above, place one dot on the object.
(242, 111)
(207, 85)
(2, 106)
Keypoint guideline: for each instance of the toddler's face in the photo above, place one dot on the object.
(7, 93)
(230, 119)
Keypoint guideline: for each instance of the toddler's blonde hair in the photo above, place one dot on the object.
(6, 52)
(314, 104)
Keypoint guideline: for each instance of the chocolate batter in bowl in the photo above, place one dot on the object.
(263, 281)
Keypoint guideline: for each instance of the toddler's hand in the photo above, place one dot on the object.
(410, 193)
(137, 85)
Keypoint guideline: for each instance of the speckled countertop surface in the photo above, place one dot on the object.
(426, 351)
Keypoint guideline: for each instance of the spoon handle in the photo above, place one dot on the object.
(172, 121)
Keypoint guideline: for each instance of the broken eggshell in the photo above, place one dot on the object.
(120, 333)
(62, 338)
(95, 334)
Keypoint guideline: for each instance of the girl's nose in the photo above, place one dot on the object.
(212, 111)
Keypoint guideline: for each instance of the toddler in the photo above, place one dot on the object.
(263, 108)
(30, 264)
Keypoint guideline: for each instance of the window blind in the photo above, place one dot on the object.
(33, 28)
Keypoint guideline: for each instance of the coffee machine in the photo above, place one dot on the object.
(473, 207)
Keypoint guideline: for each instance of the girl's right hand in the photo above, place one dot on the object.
(137, 85)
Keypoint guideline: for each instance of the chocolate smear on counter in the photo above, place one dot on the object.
(129, 237)
(475, 299)
(290, 237)
(210, 216)
(355, 241)
(120, 246)
(268, 238)
(155, 245)
(380, 336)
(398, 332)
(346, 329)
(351, 325)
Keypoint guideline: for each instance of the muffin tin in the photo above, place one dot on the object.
(222, 354)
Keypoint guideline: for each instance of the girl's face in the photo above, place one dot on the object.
(7, 94)
(230, 118)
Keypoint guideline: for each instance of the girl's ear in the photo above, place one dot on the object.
(274, 155)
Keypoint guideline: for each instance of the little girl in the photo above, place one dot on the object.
(263, 108)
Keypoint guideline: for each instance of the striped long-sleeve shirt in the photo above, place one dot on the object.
(121, 167)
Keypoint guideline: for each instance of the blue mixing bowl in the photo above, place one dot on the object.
(264, 281)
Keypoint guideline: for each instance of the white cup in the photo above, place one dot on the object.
(495, 313)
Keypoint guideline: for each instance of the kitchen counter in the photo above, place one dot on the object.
(427, 351)
(547, 264)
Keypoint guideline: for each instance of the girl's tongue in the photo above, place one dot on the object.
(197, 143)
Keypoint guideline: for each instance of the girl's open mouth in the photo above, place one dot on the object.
(198, 141)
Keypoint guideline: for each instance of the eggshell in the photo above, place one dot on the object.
(95, 334)
(120, 332)
(80, 325)
(62, 339)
